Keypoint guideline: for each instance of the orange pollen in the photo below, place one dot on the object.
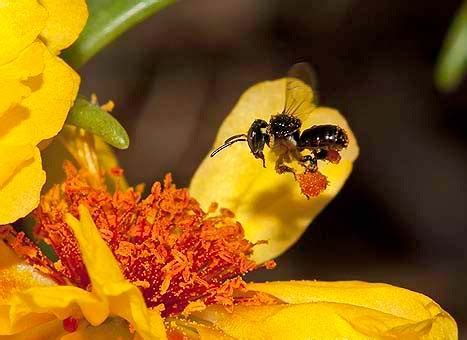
(172, 250)
(333, 156)
(312, 183)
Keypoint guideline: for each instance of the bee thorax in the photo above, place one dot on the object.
(283, 125)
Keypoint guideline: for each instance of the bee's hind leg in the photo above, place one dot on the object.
(310, 163)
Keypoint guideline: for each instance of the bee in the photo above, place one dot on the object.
(283, 134)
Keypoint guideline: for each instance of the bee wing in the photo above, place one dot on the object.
(301, 96)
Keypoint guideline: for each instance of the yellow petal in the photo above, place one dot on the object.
(423, 317)
(12, 89)
(269, 206)
(65, 22)
(11, 93)
(15, 275)
(21, 21)
(29, 63)
(112, 328)
(108, 283)
(323, 321)
(33, 306)
(379, 296)
(210, 333)
(42, 114)
(330, 310)
(47, 331)
(19, 194)
(13, 158)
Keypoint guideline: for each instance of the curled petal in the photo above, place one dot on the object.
(21, 21)
(65, 22)
(108, 283)
(329, 310)
(19, 189)
(269, 206)
(42, 114)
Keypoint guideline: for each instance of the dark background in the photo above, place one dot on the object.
(400, 218)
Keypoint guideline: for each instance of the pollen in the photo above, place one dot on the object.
(179, 256)
(312, 183)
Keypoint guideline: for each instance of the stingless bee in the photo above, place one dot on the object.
(282, 133)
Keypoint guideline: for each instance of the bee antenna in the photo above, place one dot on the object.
(229, 141)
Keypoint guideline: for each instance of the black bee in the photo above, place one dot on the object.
(282, 133)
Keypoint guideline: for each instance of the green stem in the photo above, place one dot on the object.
(452, 61)
(108, 19)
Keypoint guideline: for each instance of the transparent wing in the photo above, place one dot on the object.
(301, 90)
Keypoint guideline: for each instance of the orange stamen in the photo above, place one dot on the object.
(166, 244)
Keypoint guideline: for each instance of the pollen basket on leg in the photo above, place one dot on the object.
(166, 244)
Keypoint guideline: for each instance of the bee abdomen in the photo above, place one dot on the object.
(325, 137)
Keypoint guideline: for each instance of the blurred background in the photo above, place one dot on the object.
(400, 218)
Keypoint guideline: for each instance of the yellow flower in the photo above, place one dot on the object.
(169, 268)
(301, 309)
(36, 91)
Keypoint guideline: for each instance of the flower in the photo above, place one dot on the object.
(36, 91)
(165, 267)
(187, 265)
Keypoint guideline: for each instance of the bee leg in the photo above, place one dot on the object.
(257, 139)
(310, 163)
(260, 155)
(281, 167)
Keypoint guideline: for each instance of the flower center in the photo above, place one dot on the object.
(177, 254)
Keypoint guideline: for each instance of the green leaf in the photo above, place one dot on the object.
(452, 61)
(107, 20)
(92, 118)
